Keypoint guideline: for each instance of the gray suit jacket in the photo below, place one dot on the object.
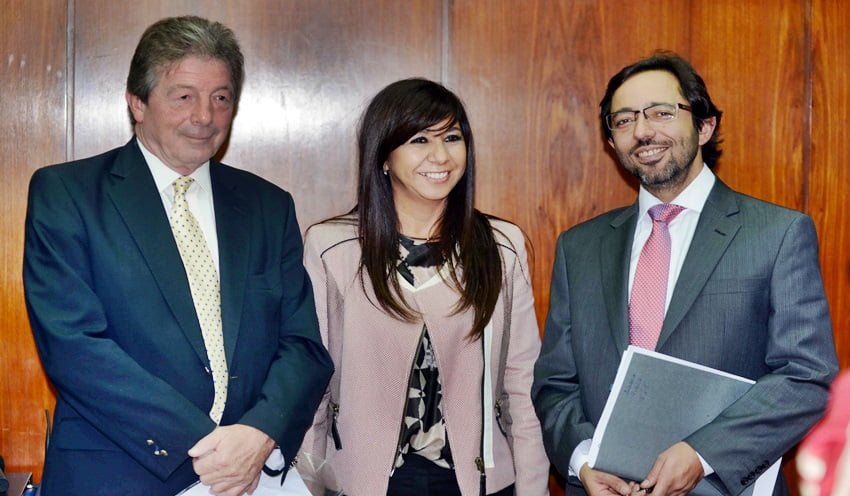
(749, 300)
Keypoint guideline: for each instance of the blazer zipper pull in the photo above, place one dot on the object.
(334, 429)
(479, 462)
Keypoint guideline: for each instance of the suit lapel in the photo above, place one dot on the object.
(716, 228)
(615, 250)
(234, 241)
(133, 191)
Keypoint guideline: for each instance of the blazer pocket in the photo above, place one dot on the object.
(77, 434)
(731, 286)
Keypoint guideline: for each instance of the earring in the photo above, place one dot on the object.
(386, 169)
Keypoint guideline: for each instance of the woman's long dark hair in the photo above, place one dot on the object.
(466, 240)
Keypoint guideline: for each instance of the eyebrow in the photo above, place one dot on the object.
(630, 109)
(195, 88)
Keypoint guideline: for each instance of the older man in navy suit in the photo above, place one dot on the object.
(693, 270)
(166, 291)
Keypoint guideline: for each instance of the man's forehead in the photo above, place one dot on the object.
(646, 88)
(195, 65)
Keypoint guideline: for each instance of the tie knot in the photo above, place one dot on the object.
(181, 186)
(665, 212)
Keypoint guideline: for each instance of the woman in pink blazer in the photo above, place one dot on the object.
(426, 306)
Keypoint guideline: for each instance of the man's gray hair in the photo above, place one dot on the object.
(169, 40)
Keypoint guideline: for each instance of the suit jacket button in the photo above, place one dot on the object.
(160, 452)
(149, 442)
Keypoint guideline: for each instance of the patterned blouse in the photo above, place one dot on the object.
(423, 429)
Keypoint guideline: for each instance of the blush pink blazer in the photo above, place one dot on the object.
(373, 354)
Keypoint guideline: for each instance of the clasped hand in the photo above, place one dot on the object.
(230, 459)
(676, 471)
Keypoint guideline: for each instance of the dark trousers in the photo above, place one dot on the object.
(420, 477)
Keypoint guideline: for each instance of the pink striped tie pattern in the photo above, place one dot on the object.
(649, 289)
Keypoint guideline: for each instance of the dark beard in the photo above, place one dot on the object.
(673, 175)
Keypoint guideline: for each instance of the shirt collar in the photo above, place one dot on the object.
(164, 176)
(693, 197)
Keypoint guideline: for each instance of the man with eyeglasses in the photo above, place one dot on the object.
(693, 270)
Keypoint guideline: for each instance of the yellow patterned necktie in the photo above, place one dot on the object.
(204, 284)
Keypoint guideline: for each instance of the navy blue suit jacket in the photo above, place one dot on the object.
(116, 329)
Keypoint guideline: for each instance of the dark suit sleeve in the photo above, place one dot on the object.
(783, 404)
(555, 392)
(92, 373)
(302, 367)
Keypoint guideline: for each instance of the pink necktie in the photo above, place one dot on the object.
(649, 289)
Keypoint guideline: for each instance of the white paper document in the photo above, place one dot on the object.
(269, 486)
(656, 401)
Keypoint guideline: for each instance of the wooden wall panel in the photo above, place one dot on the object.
(531, 73)
(757, 77)
(311, 67)
(32, 133)
(829, 200)
(532, 77)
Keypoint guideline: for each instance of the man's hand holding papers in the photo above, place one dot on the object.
(677, 470)
(598, 483)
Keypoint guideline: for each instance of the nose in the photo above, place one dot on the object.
(439, 154)
(202, 113)
(643, 129)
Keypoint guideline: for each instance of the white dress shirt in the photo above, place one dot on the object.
(682, 229)
(199, 196)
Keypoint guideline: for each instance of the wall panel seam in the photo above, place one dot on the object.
(445, 40)
(808, 81)
(70, 77)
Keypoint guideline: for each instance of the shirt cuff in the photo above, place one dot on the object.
(580, 456)
(706, 468)
(275, 461)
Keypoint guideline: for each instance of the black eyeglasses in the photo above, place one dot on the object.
(659, 113)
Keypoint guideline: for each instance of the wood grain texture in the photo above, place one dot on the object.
(829, 180)
(531, 73)
(752, 56)
(32, 96)
(532, 77)
(311, 67)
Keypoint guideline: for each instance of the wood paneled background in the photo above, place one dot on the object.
(531, 73)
